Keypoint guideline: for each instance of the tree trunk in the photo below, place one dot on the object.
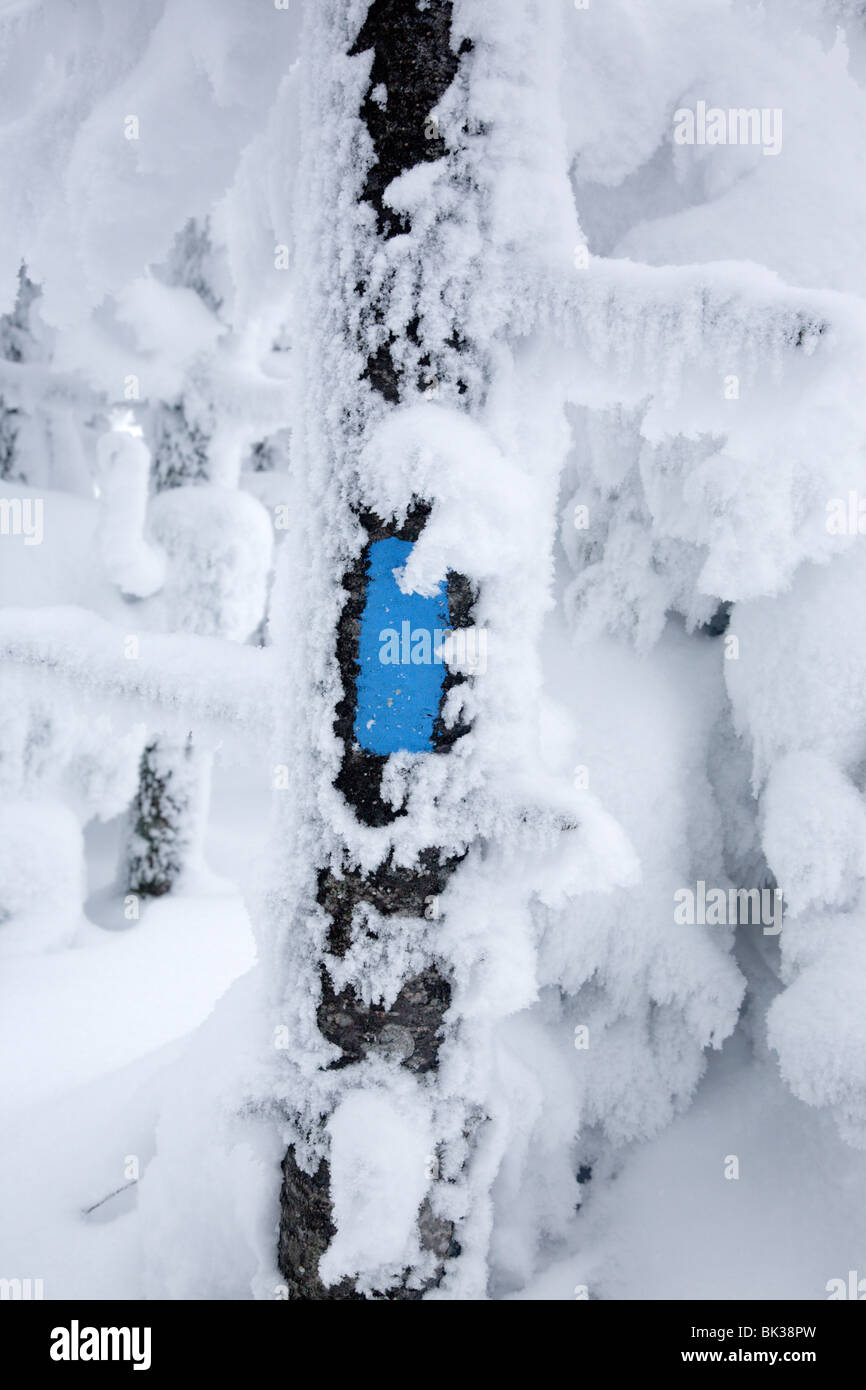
(413, 64)
(16, 345)
(168, 816)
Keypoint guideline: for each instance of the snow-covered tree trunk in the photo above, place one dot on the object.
(216, 546)
(17, 344)
(412, 66)
(167, 818)
(169, 814)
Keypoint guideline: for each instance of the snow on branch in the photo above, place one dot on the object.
(169, 682)
(39, 382)
(653, 323)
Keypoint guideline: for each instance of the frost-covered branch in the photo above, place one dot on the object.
(164, 680)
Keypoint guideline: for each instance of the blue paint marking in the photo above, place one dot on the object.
(399, 653)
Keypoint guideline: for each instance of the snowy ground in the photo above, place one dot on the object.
(93, 1030)
(671, 1226)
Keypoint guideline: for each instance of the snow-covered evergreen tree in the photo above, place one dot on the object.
(217, 544)
(18, 343)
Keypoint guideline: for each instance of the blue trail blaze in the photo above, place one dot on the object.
(399, 653)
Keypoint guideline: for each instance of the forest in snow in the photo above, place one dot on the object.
(432, 649)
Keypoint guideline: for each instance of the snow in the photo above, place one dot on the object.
(180, 70)
(120, 994)
(379, 1156)
(671, 1226)
(41, 870)
(652, 404)
(124, 470)
(814, 832)
(101, 662)
(217, 543)
(168, 321)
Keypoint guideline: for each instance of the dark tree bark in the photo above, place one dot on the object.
(166, 818)
(16, 345)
